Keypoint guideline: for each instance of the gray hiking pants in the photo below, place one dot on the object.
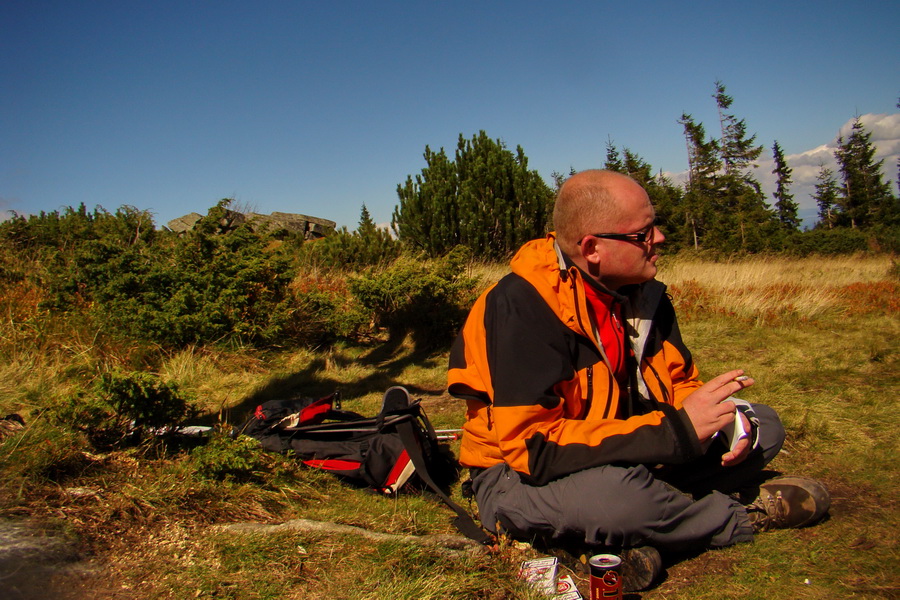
(622, 506)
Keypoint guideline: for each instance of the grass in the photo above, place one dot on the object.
(818, 335)
(772, 289)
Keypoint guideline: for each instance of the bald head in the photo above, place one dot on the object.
(587, 203)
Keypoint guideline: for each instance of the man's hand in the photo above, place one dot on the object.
(709, 412)
(741, 449)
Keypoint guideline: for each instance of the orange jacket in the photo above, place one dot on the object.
(539, 392)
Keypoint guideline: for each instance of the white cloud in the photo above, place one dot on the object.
(882, 127)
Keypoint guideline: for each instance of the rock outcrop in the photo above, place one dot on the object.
(310, 227)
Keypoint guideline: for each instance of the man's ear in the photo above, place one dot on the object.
(590, 250)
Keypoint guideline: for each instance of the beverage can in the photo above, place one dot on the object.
(606, 576)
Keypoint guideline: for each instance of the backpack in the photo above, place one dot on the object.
(395, 449)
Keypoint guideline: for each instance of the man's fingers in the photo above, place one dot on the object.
(736, 456)
(726, 377)
(725, 413)
(731, 381)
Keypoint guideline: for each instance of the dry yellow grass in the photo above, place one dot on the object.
(488, 273)
(763, 288)
(759, 271)
(774, 288)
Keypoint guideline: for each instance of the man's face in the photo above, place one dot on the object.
(619, 262)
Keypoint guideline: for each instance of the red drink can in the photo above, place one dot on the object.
(606, 576)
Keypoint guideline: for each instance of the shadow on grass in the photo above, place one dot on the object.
(385, 364)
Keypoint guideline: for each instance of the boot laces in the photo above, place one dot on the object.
(769, 511)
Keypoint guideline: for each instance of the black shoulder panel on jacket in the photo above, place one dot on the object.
(458, 353)
(529, 349)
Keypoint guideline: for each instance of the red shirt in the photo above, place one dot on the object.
(608, 315)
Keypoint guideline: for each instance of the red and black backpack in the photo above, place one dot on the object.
(386, 453)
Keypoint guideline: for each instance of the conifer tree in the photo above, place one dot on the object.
(785, 207)
(738, 150)
(374, 245)
(666, 197)
(366, 224)
(486, 199)
(826, 196)
(668, 200)
(427, 209)
(637, 168)
(613, 159)
(746, 218)
(865, 199)
(703, 190)
(558, 180)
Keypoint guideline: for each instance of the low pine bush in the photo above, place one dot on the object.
(428, 300)
(223, 458)
(121, 408)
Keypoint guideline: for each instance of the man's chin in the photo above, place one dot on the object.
(651, 272)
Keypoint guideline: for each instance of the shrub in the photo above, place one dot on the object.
(323, 318)
(224, 458)
(121, 407)
(827, 241)
(368, 246)
(325, 311)
(203, 287)
(207, 287)
(426, 299)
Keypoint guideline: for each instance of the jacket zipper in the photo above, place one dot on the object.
(590, 391)
(610, 386)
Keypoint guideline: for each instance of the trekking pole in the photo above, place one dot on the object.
(448, 434)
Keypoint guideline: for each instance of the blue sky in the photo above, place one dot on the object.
(319, 108)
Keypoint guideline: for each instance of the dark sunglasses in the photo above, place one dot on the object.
(640, 237)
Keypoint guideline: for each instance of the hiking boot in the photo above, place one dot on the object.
(788, 502)
(641, 567)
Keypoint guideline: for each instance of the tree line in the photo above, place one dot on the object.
(120, 275)
(486, 198)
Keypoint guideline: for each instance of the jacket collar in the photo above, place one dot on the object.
(588, 280)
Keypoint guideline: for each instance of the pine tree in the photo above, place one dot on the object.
(373, 245)
(613, 158)
(558, 180)
(666, 197)
(486, 199)
(785, 206)
(865, 199)
(826, 196)
(366, 224)
(746, 218)
(703, 190)
(637, 168)
(668, 200)
(427, 205)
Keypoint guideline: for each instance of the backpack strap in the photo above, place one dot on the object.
(463, 521)
(397, 399)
